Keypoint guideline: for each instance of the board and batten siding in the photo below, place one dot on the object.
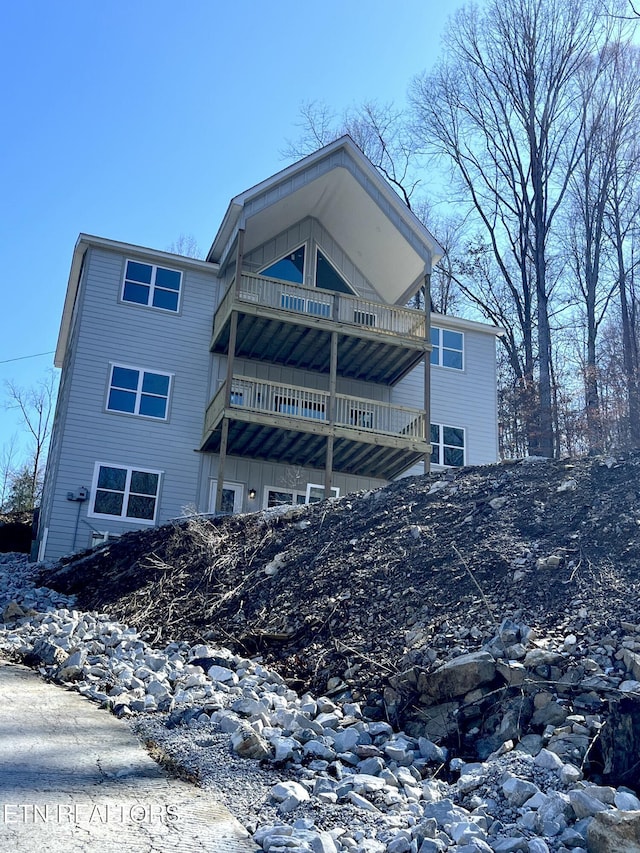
(111, 331)
(295, 376)
(257, 473)
(312, 233)
(461, 398)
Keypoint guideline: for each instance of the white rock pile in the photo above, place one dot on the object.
(336, 782)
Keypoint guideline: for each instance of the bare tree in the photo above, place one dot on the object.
(379, 130)
(383, 134)
(8, 456)
(502, 108)
(611, 114)
(186, 245)
(35, 405)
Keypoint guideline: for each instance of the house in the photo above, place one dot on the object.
(283, 368)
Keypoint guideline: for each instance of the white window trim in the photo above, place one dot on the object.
(440, 330)
(335, 491)
(294, 492)
(441, 445)
(138, 392)
(129, 469)
(152, 287)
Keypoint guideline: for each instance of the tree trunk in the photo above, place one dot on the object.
(629, 347)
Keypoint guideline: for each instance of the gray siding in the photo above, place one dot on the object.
(462, 398)
(111, 331)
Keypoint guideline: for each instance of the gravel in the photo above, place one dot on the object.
(351, 783)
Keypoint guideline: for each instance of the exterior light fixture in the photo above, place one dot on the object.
(252, 494)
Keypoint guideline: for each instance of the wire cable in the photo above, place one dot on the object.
(22, 357)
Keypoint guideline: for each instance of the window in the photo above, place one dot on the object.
(328, 277)
(277, 497)
(293, 303)
(290, 268)
(447, 445)
(126, 493)
(448, 348)
(313, 493)
(300, 408)
(147, 284)
(138, 392)
(364, 318)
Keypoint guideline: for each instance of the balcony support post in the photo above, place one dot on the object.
(233, 335)
(333, 372)
(239, 258)
(427, 367)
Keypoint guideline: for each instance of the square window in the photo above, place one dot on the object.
(153, 407)
(148, 284)
(108, 503)
(141, 507)
(165, 299)
(139, 272)
(122, 401)
(138, 392)
(169, 279)
(155, 383)
(453, 436)
(125, 377)
(136, 293)
(451, 358)
(125, 493)
(144, 482)
(453, 456)
(112, 478)
(451, 340)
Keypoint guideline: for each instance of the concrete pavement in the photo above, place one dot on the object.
(74, 778)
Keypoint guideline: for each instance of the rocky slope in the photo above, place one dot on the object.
(470, 648)
(330, 779)
(474, 609)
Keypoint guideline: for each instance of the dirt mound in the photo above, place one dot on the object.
(335, 594)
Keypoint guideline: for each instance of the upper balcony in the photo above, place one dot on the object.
(291, 324)
(288, 423)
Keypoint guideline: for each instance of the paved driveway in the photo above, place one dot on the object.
(74, 779)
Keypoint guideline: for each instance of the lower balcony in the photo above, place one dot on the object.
(287, 423)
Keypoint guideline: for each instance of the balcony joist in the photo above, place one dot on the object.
(290, 324)
(286, 423)
(276, 444)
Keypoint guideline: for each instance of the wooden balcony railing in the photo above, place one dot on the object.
(288, 298)
(265, 397)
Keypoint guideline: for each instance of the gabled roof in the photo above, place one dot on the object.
(341, 188)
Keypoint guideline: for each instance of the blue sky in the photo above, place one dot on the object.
(138, 121)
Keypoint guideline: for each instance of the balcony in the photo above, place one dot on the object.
(291, 324)
(287, 423)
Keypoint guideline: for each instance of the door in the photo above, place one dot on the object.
(232, 497)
